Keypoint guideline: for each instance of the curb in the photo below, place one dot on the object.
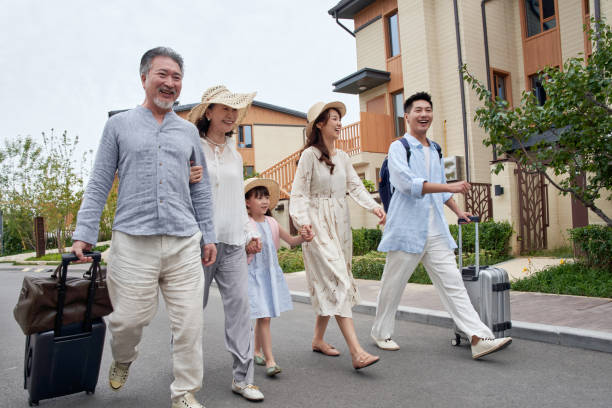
(560, 335)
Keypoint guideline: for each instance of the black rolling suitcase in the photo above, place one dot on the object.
(489, 290)
(65, 360)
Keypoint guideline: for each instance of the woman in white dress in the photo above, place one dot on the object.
(318, 201)
(216, 117)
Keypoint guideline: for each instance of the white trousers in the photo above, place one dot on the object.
(439, 262)
(141, 266)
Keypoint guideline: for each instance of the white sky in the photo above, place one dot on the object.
(66, 63)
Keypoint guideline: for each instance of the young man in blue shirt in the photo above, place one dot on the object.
(416, 231)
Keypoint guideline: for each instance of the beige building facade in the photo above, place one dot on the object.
(406, 46)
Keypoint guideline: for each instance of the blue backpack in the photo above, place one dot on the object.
(385, 189)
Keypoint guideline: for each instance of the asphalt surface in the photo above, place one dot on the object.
(426, 372)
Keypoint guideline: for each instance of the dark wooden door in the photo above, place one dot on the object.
(533, 210)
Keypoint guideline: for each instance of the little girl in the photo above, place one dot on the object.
(268, 291)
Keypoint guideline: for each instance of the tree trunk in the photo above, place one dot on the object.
(600, 214)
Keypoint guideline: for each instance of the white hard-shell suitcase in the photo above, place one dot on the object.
(489, 291)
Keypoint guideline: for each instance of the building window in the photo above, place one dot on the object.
(393, 34)
(502, 86)
(537, 88)
(539, 16)
(248, 171)
(586, 20)
(398, 113)
(245, 136)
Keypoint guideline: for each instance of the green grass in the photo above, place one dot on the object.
(568, 279)
(58, 257)
(563, 252)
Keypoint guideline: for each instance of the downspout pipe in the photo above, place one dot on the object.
(486, 49)
(342, 25)
(462, 90)
(597, 17)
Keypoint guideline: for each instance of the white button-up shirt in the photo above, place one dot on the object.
(407, 226)
(225, 171)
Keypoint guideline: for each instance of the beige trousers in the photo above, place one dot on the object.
(141, 266)
(439, 262)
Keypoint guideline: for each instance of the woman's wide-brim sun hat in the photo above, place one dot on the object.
(320, 107)
(271, 185)
(219, 94)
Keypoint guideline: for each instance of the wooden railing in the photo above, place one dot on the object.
(283, 172)
(350, 139)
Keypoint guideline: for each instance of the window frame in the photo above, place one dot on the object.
(241, 134)
(387, 28)
(508, 84)
(394, 112)
(586, 20)
(555, 17)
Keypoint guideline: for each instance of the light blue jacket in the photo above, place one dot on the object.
(408, 217)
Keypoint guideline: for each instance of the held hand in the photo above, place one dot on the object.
(381, 214)
(195, 173)
(460, 187)
(78, 247)
(210, 254)
(306, 233)
(465, 216)
(254, 246)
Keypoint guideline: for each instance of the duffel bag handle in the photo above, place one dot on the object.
(61, 292)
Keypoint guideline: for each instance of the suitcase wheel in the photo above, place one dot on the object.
(32, 403)
(90, 392)
(457, 340)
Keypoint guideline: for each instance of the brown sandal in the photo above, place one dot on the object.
(365, 362)
(327, 349)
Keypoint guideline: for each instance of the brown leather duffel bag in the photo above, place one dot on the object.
(37, 307)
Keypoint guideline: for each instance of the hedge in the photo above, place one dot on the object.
(595, 245)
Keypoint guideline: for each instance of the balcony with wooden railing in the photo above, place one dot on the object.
(353, 140)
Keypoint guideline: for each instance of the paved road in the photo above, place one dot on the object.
(426, 372)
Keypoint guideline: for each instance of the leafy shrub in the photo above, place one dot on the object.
(291, 260)
(595, 244)
(369, 185)
(494, 236)
(365, 240)
(371, 266)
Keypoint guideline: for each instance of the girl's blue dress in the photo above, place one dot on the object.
(268, 291)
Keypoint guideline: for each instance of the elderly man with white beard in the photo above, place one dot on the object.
(163, 229)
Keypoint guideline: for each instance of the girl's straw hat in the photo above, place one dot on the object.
(320, 107)
(219, 94)
(270, 184)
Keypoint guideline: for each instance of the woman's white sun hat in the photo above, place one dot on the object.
(219, 94)
(320, 107)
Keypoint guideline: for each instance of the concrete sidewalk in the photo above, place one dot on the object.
(574, 321)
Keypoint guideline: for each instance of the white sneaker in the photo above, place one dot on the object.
(488, 346)
(187, 401)
(118, 374)
(386, 344)
(248, 391)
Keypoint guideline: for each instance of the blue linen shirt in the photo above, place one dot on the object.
(152, 162)
(408, 217)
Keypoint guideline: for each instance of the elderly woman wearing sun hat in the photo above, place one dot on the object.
(216, 117)
(318, 202)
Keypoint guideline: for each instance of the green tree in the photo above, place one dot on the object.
(59, 186)
(18, 169)
(570, 135)
(40, 179)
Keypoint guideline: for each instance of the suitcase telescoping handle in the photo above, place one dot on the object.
(475, 219)
(61, 293)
